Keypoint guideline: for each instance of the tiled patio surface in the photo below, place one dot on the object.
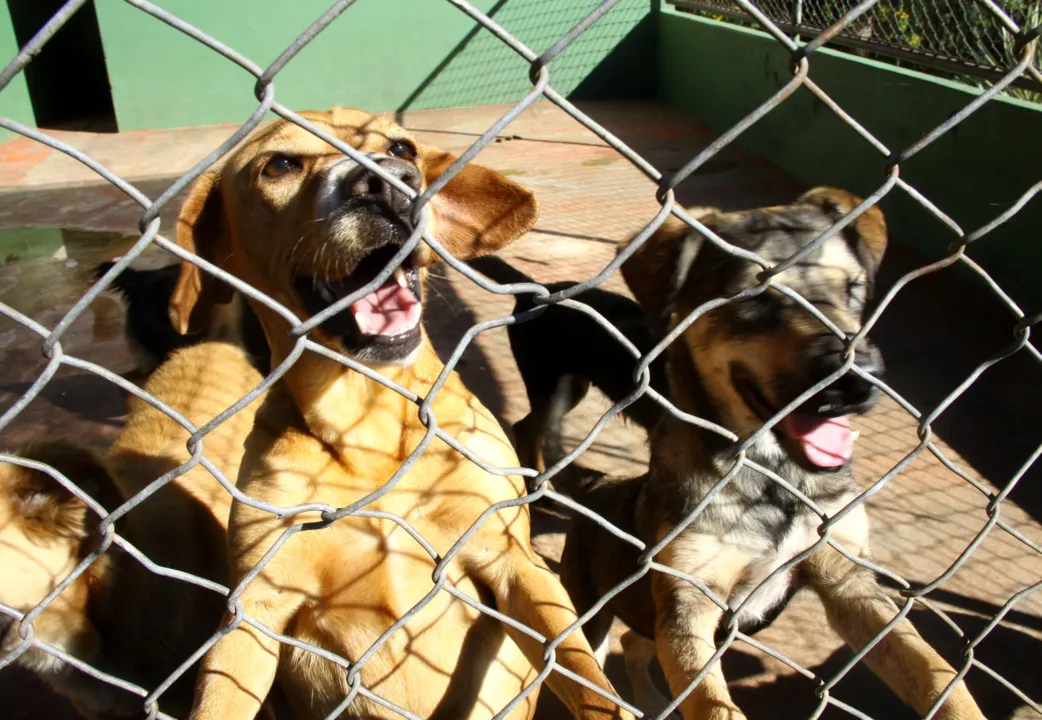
(932, 336)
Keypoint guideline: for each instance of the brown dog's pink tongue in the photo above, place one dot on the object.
(827, 442)
(390, 310)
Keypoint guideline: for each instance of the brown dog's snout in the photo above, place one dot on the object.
(368, 186)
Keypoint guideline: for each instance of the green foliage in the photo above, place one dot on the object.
(959, 32)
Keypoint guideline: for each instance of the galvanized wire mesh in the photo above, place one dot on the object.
(1009, 33)
(960, 36)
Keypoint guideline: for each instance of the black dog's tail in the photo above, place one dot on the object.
(498, 269)
(103, 268)
(573, 480)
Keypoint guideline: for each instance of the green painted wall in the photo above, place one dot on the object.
(379, 55)
(719, 73)
(14, 100)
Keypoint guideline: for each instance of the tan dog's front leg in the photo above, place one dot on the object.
(686, 622)
(531, 594)
(858, 609)
(237, 673)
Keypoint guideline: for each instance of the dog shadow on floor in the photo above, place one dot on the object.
(933, 335)
(83, 394)
(447, 318)
(1007, 651)
(73, 404)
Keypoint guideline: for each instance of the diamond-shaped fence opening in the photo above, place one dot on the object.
(1003, 42)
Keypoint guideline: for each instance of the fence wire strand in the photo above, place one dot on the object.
(1007, 49)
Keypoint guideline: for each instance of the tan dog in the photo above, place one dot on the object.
(118, 616)
(298, 220)
(738, 365)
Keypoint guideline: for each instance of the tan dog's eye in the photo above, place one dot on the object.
(282, 165)
(403, 150)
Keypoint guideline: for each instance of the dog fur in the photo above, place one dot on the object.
(151, 336)
(563, 345)
(736, 366)
(292, 216)
(118, 616)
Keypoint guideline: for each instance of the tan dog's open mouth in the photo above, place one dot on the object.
(382, 327)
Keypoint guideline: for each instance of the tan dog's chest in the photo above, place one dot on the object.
(373, 573)
(359, 575)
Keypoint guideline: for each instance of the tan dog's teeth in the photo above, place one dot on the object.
(399, 275)
(855, 435)
(363, 326)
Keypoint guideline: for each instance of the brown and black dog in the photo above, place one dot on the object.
(118, 616)
(306, 225)
(737, 365)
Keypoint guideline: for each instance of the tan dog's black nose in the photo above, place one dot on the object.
(366, 185)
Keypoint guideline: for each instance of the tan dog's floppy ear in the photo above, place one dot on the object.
(479, 210)
(200, 229)
(659, 268)
(867, 234)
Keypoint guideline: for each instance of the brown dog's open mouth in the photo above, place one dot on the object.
(820, 442)
(389, 316)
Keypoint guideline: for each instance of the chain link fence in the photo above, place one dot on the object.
(1006, 30)
(963, 38)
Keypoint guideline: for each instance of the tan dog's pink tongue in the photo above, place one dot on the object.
(390, 310)
(827, 442)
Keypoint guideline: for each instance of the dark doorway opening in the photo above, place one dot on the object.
(68, 81)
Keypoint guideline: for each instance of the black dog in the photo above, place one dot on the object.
(563, 351)
(151, 336)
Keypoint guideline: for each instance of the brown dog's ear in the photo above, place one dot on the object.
(478, 211)
(46, 508)
(659, 268)
(867, 235)
(200, 229)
